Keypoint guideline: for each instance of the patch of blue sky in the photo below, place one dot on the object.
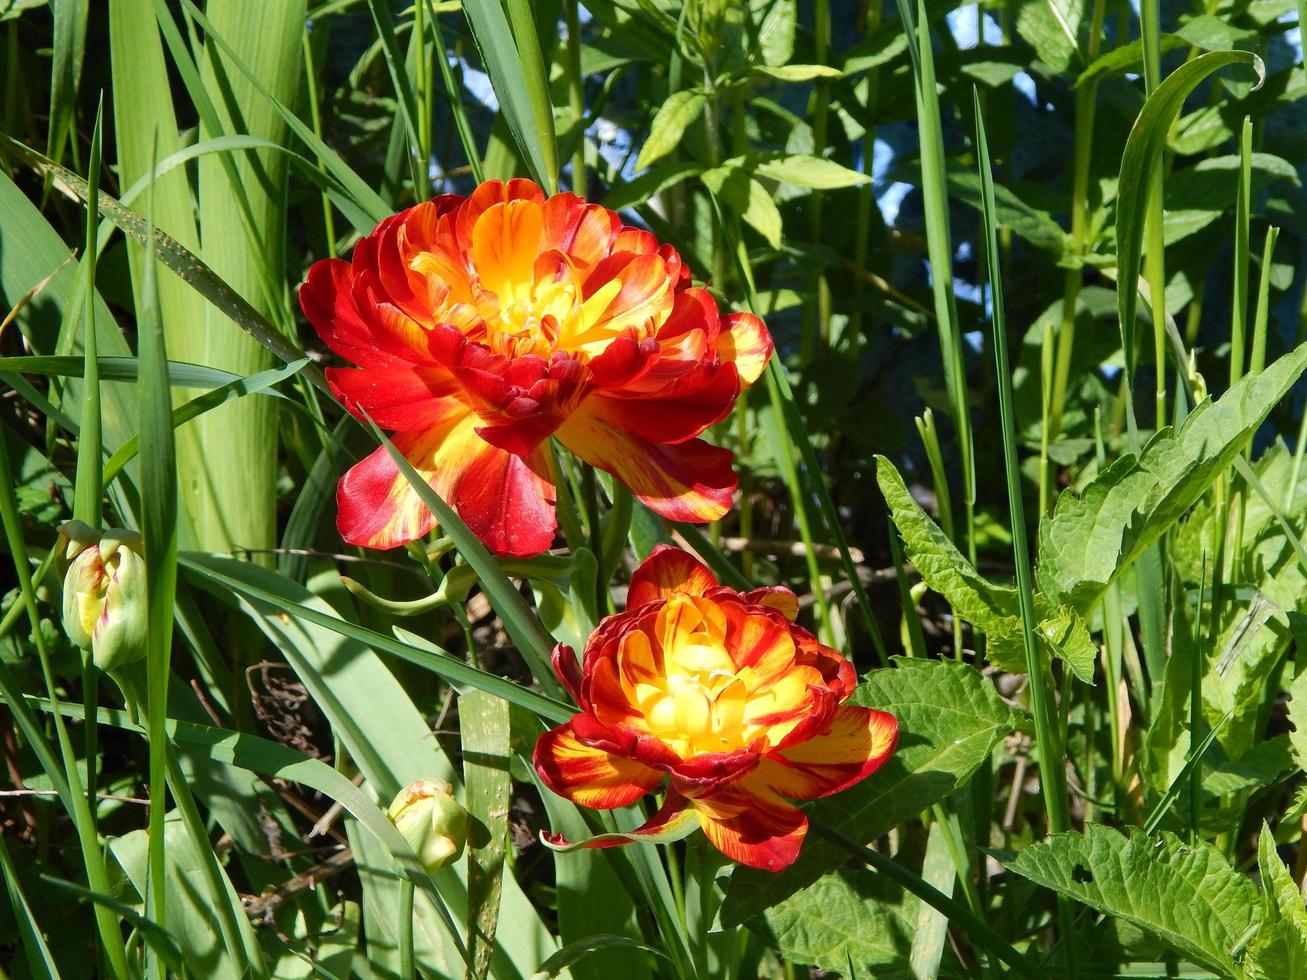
(962, 25)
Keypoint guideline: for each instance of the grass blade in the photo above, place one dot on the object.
(1051, 760)
(519, 99)
(87, 488)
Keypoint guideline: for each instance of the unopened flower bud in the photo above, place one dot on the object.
(431, 820)
(104, 593)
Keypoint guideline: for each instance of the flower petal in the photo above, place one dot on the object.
(668, 571)
(776, 597)
(856, 744)
(757, 829)
(690, 481)
(502, 498)
(587, 775)
(681, 411)
(673, 821)
(403, 398)
(745, 342)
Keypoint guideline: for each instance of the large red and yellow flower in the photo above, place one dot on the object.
(719, 695)
(480, 326)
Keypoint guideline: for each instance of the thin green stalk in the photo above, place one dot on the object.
(1257, 359)
(1085, 115)
(405, 914)
(454, 92)
(1242, 254)
(76, 802)
(1154, 260)
(1051, 761)
(816, 315)
(87, 488)
(1198, 662)
(934, 189)
(39, 960)
(315, 120)
(575, 92)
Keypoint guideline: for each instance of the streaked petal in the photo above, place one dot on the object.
(675, 820)
(745, 342)
(668, 571)
(504, 499)
(587, 775)
(690, 481)
(760, 830)
(776, 597)
(856, 744)
(403, 398)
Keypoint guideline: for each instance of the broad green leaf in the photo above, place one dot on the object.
(993, 609)
(1298, 717)
(483, 723)
(1184, 895)
(1142, 156)
(1095, 535)
(1214, 33)
(669, 125)
(1053, 29)
(1280, 947)
(879, 49)
(190, 916)
(850, 916)
(804, 170)
(1124, 58)
(776, 32)
(950, 718)
(797, 73)
(742, 194)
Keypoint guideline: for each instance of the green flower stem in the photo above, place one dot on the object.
(77, 804)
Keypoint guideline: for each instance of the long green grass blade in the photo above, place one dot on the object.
(519, 97)
(1048, 743)
(39, 960)
(87, 488)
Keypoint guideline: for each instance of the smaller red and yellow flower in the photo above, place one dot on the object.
(481, 326)
(721, 697)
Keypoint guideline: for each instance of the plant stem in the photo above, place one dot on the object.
(406, 928)
(575, 92)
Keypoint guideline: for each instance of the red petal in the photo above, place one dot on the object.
(404, 397)
(502, 498)
(587, 775)
(690, 481)
(568, 669)
(855, 744)
(776, 597)
(668, 571)
(757, 829)
(681, 411)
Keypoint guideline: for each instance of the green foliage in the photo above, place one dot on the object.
(951, 719)
(1185, 895)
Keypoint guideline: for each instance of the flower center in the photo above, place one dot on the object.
(530, 297)
(687, 686)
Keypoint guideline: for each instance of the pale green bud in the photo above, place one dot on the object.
(431, 820)
(104, 593)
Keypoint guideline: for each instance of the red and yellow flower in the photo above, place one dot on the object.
(717, 694)
(480, 326)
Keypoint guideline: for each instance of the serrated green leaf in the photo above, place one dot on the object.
(1280, 948)
(950, 718)
(1052, 27)
(1095, 535)
(852, 915)
(1298, 717)
(993, 609)
(669, 124)
(1185, 895)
